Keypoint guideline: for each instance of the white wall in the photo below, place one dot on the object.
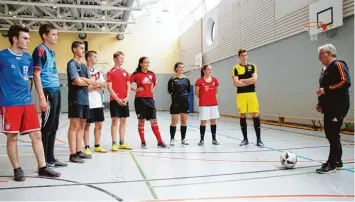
(250, 24)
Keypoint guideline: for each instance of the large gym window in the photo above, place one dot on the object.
(210, 31)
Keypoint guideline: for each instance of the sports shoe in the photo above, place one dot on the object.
(84, 156)
(326, 168)
(114, 147)
(99, 149)
(183, 142)
(47, 172)
(201, 143)
(19, 175)
(215, 142)
(244, 142)
(172, 142)
(124, 146)
(162, 145)
(56, 163)
(75, 159)
(259, 143)
(339, 165)
(87, 151)
(144, 145)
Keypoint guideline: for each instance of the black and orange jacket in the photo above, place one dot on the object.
(335, 80)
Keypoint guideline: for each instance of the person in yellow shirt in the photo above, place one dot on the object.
(245, 76)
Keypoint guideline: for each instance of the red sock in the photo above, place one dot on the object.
(141, 133)
(155, 129)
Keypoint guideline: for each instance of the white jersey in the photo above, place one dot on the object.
(95, 99)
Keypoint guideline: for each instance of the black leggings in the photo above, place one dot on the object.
(50, 122)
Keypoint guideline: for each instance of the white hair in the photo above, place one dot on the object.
(328, 48)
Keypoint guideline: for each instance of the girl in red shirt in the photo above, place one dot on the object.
(206, 89)
(144, 103)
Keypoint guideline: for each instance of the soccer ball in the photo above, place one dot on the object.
(288, 159)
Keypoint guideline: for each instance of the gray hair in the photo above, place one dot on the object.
(328, 48)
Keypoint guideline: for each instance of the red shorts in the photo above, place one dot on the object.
(19, 119)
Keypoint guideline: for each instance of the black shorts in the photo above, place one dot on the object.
(96, 115)
(118, 111)
(179, 107)
(78, 111)
(145, 108)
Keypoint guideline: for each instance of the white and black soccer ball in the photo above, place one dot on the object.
(288, 159)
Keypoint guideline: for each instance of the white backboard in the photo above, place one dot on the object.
(329, 12)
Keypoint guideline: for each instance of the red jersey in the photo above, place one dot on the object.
(207, 92)
(119, 78)
(145, 80)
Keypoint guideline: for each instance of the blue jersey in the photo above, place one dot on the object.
(15, 72)
(44, 60)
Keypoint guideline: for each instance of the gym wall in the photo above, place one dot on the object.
(159, 42)
(280, 47)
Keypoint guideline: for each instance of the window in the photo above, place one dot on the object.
(210, 31)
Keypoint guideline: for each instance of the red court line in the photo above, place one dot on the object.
(265, 196)
(4, 180)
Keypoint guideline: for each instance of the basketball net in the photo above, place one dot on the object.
(315, 25)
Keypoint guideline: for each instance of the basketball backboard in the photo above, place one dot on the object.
(324, 12)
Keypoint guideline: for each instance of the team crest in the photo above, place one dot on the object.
(150, 76)
(7, 126)
(249, 68)
(124, 74)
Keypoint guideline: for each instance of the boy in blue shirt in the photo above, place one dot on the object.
(47, 82)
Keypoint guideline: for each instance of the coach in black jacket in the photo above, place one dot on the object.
(333, 102)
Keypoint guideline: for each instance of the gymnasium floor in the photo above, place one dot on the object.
(226, 172)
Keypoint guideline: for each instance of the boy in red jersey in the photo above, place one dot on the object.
(144, 103)
(118, 85)
(206, 90)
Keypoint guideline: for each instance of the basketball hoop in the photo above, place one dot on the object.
(315, 26)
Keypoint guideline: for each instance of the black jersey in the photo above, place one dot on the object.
(179, 88)
(245, 72)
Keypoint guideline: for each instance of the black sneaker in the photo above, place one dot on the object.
(201, 143)
(56, 163)
(259, 144)
(75, 159)
(47, 172)
(162, 145)
(339, 165)
(244, 142)
(326, 168)
(19, 175)
(215, 142)
(144, 145)
(83, 155)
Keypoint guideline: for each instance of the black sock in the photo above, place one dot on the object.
(121, 142)
(114, 142)
(87, 146)
(183, 132)
(213, 131)
(243, 126)
(78, 153)
(73, 155)
(202, 132)
(257, 126)
(97, 145)
(172, 132)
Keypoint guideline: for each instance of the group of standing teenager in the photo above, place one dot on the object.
(19, 70)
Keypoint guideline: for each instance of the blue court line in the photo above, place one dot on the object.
(302, 157)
